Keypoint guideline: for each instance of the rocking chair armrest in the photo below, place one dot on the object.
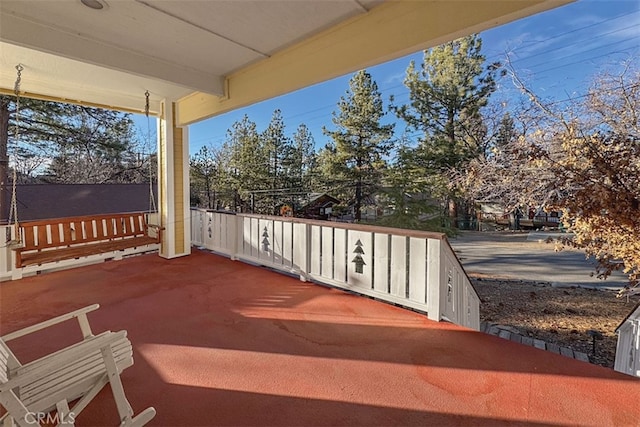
(80, 314)
(66, 357)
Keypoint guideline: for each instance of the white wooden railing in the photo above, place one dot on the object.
(410, 268)
(628, 347)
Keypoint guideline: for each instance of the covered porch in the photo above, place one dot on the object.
(219, 342)
(196, 59)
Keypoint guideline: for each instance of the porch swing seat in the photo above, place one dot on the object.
(46, 241)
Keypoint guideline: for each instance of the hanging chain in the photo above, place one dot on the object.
(146, 105)
(152, 199)
(16, 88)
(13, 210)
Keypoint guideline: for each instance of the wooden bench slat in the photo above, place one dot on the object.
(29, 237)
(55, 234)
(112, 228)
(66, 231)
(42, 236)
(100, 228)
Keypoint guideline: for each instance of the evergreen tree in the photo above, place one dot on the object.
(67, 143)
(276, 146)
(204, 168)
(249, 164)
(446, 96)
(300, 161)
(92, 148)
(79, 144)
(361, 142)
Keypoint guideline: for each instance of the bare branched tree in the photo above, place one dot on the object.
(582, 159)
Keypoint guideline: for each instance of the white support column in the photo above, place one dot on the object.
(173, 184)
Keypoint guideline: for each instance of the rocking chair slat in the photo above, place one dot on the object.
(75, 373)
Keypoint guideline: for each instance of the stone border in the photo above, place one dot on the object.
(512, 334)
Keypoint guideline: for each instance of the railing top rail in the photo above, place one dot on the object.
(220, 211)
(344, 225)
(82, 218)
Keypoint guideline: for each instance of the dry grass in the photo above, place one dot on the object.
(558, 315)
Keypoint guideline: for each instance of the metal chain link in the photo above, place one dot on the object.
(152, 199)
(13, 210)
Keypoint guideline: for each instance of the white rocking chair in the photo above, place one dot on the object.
(30, 393)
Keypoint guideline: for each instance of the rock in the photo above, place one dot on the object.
(561, 285)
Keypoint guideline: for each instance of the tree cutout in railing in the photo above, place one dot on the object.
(209, 228)
(265, 241)
(358, 258)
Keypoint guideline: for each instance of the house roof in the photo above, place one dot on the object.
(44, 201)
(314, 198)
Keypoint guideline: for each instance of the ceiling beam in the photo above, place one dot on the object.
(154, 106)
(389, 31)
(17, 30)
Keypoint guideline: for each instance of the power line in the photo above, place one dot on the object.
(575, 30)
(220, 138)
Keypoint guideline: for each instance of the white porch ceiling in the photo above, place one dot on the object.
(192, 49)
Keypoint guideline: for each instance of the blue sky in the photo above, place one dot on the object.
(555, 52)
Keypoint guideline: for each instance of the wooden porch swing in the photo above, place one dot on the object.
(52, 240)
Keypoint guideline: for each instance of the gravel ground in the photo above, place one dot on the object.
(557, 315)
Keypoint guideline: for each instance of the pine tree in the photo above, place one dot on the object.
(361, 142)
(506, 133)
(204, 170)
(276, 146)
(79, 144)
(446, 96)
(249, 165)
(300, 161)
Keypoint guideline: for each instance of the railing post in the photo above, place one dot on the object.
(434, 279)
(237, 228)
(195, 215)
(301, 254)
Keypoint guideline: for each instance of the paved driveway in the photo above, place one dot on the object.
(520, 255)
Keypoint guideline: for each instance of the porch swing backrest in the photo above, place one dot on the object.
(73, 237)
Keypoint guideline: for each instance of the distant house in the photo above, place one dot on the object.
(628, 347)
(491, 214)
(317, 206)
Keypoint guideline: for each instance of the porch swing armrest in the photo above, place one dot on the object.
(158, 229)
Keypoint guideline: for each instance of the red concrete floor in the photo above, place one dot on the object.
(218, 342)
